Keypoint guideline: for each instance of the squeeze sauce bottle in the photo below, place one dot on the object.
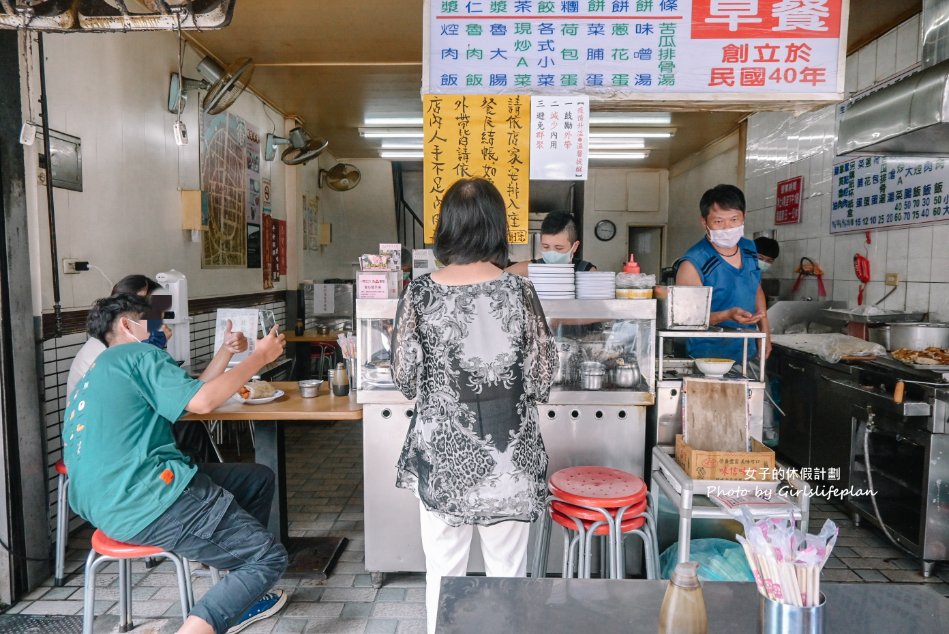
(631, 266)
(683, 608)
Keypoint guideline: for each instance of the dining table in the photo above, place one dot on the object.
(311, 556)
(472, 605)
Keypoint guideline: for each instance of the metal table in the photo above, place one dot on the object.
(684, 493)
(308, 555)
(472, 605)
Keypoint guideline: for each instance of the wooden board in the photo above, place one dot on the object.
(716, 415)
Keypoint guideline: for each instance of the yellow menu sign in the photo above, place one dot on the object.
(484, 136)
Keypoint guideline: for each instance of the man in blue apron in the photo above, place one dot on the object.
(728, 262)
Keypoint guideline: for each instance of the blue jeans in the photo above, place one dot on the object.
(220, 520)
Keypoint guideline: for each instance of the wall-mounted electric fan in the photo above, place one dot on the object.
(341, 177)
(223, 86)
(302, 148)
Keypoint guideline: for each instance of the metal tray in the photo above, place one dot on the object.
(838, 314)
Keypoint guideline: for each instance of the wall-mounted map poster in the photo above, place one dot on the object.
(224, 178)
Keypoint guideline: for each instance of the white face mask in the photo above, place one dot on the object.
(131, 334)
(726, 238)
(764, 265)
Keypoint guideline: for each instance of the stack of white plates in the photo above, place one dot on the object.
(552, 281)
(596, 285)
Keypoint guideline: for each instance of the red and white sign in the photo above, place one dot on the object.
(787, 202)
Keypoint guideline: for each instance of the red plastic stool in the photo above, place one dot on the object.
(62, 522)
(106, 549)
(599, 494)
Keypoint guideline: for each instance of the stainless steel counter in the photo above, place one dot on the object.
(472, 605)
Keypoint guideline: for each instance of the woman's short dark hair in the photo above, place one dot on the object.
(135, 284)
(472, 225)
(106, 310)
(725, 196)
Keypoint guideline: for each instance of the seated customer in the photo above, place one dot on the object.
(560, 241)
(127, 477)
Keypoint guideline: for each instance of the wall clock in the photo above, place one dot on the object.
(605, 230)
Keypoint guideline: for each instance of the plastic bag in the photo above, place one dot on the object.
(719, 560)
(830, 347)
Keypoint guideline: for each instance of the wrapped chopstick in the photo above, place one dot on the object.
(785, 562)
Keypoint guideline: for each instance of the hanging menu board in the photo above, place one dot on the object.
(712, 50)
(884, 192)
(487, 136)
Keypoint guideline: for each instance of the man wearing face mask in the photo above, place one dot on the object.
(559, 244)
(727, 261)
(768, 250)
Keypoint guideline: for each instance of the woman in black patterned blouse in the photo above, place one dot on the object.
(472, 345)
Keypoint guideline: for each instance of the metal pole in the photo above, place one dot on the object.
(48, 164)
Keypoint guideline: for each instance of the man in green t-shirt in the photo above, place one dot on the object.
(127, 477)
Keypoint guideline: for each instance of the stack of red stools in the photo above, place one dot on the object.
(597, 501)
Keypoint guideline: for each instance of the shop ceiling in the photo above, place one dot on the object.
(333, 64)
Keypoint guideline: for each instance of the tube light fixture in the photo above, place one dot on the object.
(393, 121)
(397, 144)
(391, 133)
(631, 134)
(596, 156)
(400, 155)
(617, 144)
(630, 118)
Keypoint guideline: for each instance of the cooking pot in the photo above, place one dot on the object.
(918, 335)
(592, 374)
(625, 375)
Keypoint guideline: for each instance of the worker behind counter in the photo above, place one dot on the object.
(728, 262)
(559, 243)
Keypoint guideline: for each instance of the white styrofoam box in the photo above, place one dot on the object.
(917, 297)
(939, 302)
(886, 55)
(907, 43)
(866, 66)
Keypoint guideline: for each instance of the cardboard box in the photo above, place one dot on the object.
(725, 465)
(378, 284)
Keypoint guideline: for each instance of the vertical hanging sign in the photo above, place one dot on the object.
(560, 127)
(484, 136)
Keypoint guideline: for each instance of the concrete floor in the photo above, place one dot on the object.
(325, 497)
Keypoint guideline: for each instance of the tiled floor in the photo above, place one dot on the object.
(325, 497)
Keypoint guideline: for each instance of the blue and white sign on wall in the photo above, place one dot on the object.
(888, 192)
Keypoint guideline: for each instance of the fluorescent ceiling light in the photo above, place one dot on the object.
(595, 156)
(630, 118)
(391, 133)
(395, 144)
(618, 144)
(632, 134)
(400, 155)
(393, 121)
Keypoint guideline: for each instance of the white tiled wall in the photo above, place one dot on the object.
(782, 146)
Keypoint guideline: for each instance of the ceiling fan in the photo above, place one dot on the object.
(223, 86)
(302, 148)
(341, 177)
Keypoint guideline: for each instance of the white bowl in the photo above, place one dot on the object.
(714, 367)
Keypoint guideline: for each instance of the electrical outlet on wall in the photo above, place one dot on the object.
(69, 266)
(891, 279)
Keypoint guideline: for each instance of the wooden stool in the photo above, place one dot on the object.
(106, 549)
(589, 498)
(62, 522)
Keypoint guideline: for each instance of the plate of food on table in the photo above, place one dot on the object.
(257, 393)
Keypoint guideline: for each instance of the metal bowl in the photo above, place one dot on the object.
(309, 388)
